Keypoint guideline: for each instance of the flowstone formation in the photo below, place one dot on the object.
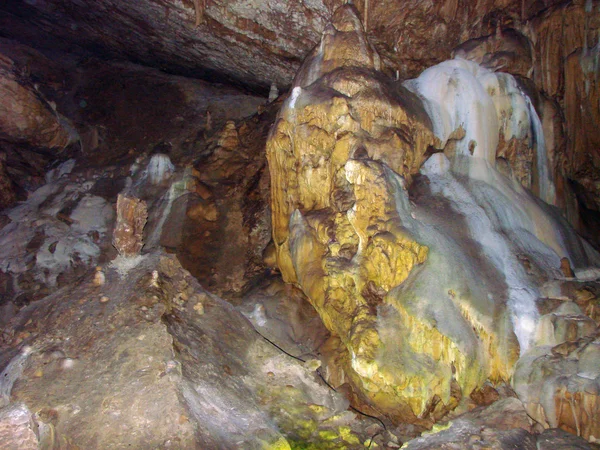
(335, 223)
(430, 296)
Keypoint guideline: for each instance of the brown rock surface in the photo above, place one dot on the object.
(505, 51)
(132, 215)
(7, 193)
(226, 224)
(24, 116)
(565, 41)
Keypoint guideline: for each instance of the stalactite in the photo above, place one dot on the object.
(199, 7)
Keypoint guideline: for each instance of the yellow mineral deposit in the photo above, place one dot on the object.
(336, 229)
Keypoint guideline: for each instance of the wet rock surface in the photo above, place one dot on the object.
(388, 276)
(142, 254)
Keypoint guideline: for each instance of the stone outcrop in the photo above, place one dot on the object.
(153, 359)
(342, 154)
(24, 116)
(501, 426)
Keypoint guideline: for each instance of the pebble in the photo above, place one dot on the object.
(104, 299)
(99, 277)
(67, 363)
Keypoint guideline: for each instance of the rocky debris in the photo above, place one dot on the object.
(132, 215)
(176, 377)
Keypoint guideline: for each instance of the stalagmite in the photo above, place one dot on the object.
(131, 220)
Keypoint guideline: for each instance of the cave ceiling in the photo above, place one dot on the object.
(253, 43)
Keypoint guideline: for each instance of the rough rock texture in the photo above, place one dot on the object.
(501, 426)
(25, 116)
(126, 109)
(183, 369)
(335, 223)
(106, 111)
(413, 329)
(565, 42)
(261, 42)
(558, 381)
(18, 428)
(559, 385)
(245, 42)
(59, 233)
(226, 226)
(505, 50)
(7, 194)
(132, 215)
(258, 42)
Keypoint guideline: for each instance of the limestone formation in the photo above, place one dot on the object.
(412, 341)
(559, 385)
(336, 223)
(128, 236)
(18, 428)
(397, 267)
